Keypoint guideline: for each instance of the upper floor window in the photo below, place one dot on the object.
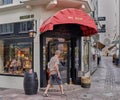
(6, 28)
(25, 26)
(7, 2)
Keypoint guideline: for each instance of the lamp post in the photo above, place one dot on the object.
(32, 35)
(119, 49)
(119, 31)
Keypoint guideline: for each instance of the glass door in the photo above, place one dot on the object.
(70, 61)
(63, 46)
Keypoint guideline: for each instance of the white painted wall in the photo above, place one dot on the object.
(108, 9)
(40, 14)
(117, 6)
(11, 82)
(16, 1)
(12, 16)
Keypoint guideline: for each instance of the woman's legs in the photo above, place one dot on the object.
(59, 81)
(47, 88)
(61, 89)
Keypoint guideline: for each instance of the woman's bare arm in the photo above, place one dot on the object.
(57, 70)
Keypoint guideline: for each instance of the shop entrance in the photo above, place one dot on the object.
(64, 66)
(67, 23)
(70, 58)
(67, 39)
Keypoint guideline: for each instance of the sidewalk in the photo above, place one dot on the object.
(54, 94)
(77, 93)
(105, 86)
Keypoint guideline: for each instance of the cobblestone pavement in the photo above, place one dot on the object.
(105, 86)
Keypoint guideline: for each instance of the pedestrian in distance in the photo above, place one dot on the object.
(53, 66)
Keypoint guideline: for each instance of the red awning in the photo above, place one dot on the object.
(71, 16)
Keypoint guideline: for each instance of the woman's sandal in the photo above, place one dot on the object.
(45, 95)
(63, 95)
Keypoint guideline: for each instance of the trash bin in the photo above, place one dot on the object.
(30, 83)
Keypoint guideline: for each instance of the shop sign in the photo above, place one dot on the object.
(76, 18)
(26, 16)
(101, 18)
(101, 30)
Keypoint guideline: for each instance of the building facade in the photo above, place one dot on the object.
(117, 6)
(94, 39)
(21, 51)
(109, 26)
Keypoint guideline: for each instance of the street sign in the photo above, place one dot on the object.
(101, 30)
(101, 18)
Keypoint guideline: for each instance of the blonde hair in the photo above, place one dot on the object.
(57, 52)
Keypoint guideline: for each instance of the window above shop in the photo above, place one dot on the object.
(6, 28)
(25, 26)
(15, 28)
(5, 2)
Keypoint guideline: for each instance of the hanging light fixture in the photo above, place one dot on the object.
(32, 33)
(83, 6)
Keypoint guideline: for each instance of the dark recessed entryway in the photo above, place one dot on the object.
(64, 38)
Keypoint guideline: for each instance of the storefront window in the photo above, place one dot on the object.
(6, 28)
(86, 56)
(25, 26)
(7, 2)
(15, 56)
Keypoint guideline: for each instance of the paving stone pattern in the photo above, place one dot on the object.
(105, 86)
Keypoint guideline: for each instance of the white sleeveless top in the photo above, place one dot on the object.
(51, 64)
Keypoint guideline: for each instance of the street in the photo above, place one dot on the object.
(105, 85)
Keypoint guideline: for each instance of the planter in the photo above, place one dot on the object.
(85, 82)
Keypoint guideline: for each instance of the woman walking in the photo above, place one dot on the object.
(54, 73)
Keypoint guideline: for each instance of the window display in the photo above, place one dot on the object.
(86, 56)
(15, 56)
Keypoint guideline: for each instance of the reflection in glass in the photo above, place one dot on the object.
(86, 56)
(15, 57)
